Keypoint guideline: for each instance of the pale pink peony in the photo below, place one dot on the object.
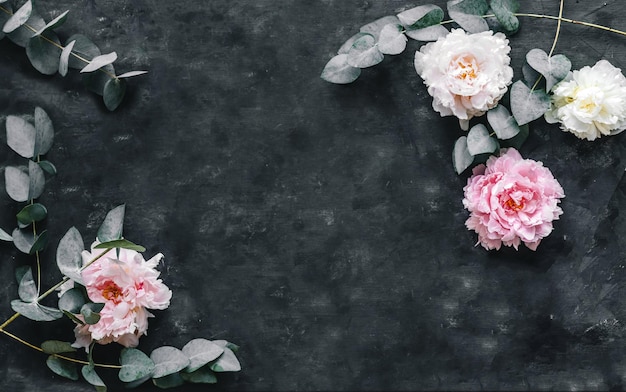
(512, 200)
(466, 74)
(127, 285)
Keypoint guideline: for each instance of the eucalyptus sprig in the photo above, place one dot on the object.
(197, 362)
(26, 28)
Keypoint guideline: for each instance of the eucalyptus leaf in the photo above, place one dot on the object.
(427, 34)
(44, 132)
(554, 68)
(95, 81)
(479, 141)
(27, 289)
(99, 61)
(168, 360)
(54, 23)
(41, 240)
(36, 311)
(131, 74)
(32, 213)
(200, 352)
(225, 343)
(392, 39)
(72, 300)
(503, 124)
(18, 18)
(204, 375)
(23, 240)
(72, 317)
(136, 383)
(21, 136)
(113, 224)
(83, 49)
(43, 55)
(518, 140)
(68, 255)
(23, 34)
(227, 362)
(338, 71)
(64, 60)
(4, 16)
(468, 14)
(421, 16)
(36, 180)
(345, 48)
(135, 365)
(62, 368)
(528, 105)
(48, 167)
(375, 28)
(57, 347)
(530, 75)
(120, 244)
(90, 375)
(4, 236)
(169, 381)
(16, 183)
(90, 312)
(364, 53)
(461, 158)
(504, 11)
(113, 93)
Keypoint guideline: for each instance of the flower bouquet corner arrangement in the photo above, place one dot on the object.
(464, 62)
(107, 291)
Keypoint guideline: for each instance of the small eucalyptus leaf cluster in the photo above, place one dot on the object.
(388, 35)
(26, 28)
(199, 360)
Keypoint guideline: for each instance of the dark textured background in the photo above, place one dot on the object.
(320, 227)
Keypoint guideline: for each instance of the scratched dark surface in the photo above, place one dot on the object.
(320, 227)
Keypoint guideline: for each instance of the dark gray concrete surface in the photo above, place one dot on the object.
(320, 227)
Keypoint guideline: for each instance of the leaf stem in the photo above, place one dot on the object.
(558, 30)
(70, 359)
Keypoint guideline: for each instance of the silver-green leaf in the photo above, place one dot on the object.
(479, 141)
(64, 60)
(554, 69)
(54, 23)
(374, 28)
(113, 93)
(135, 365)
(27, 289)
(21, 136)
(204, 375)
(36, 311)
(113, 224)
(427, 34)
(168, 360)
(62, 368)
(83, 48)
(504, 10)
(392, 39)
(43, 55)
(68, 255)
(227, 362)
(90, 375)
(57, 347)
(364, 52)
(16, 183)
(19, 17)
(72, 300)
(461, 158)
(502, 122)
(131, 74)
(4, 236)
(421, 16)
(338, 71)
(44, 132)
(200, 352)
(36, 180)
(23, 240)
(528, 105)
(99, 61)
(468, 14)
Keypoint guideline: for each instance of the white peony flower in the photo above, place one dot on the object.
(466, 74)
(590, 102)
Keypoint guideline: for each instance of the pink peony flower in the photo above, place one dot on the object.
(512, 200)
(466, 74)
(127, 285)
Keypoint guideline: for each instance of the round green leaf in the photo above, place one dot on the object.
(56, 347)
(23, 240)
(504, 12)
(227, 362)
(95, 81)
(468, 14)
(42, 54)
(554, 69)
(461, 158)
(528, 105)
(90, 375)
(40, 243)
(64, 60)
(36, 180)
(21, 136)
(35, 311)
(4, 16)
(364, 52)
(479, 141)
(18, 18)
(16, 182)
(62, 368)
(338, 71)
(135, 365)
(4, 236)
(44, 132)
(113, 224)
(421, 16)
(72, 300)
(168, 360)
(54, 23)
(27, 289)
(120, 244)
(200, 352)
(503, 124)
(131, 74)
(48, 167)
(204, 375)
(99, 61)
(68, 255)
(23, 34)
(83, 48)
(392, 39)
(374, 28)
(113, 93)
(345, 48)
(32, 213)
(169, 381)
(90, 312)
